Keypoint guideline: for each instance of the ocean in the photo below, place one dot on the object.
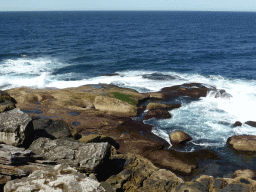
(70, 49)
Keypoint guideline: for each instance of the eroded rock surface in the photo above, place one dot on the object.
(85, 157)
(16, 128)
(139, 174)
(58, 179)
(244, 143)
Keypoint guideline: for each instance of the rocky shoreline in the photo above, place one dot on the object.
(84, 139)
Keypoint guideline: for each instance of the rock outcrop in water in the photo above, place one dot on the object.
(122, 154)
(243, 143)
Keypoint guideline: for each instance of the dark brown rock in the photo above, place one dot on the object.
(193, 90)
(158, 114)
(251, 123)
(243, 143)
(237, 124)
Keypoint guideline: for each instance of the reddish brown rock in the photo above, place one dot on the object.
(193, 90)
(251, 123)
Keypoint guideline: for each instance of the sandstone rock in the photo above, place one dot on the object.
(244, 173)
(85, 157)
(163, 106)
(179, 162)
(202, 184)
(251, 123)
(54, 129)
(179, 137)
(244, 143)
(16, 128)
(60, 178)
(139, 174)
(4, 96)
(109, 104)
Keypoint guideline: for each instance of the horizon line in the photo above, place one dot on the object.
(124, 11)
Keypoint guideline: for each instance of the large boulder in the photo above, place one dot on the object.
(179, 137)
(60, 178)
(85, 157)
(55, 129)
(139, 174)
(16, 128)
(153, 105)
(243, 143)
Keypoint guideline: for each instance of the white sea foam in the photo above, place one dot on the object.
(209, 118)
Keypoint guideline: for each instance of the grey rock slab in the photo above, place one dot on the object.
(16, 127)
(85, 157)
(11, 155)
(60, 178)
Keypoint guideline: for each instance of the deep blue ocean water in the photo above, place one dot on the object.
(69, 49)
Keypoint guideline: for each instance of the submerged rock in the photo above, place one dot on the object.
(237, 124)
(160, 76)
(16, 128)
(243, 143)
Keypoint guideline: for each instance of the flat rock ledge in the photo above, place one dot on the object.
(85, 157)
(60, 178)
(15, 127)
(243, 143)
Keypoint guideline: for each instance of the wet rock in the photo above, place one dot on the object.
(158, 114)
(85, 157)
(109, 104)
(162, 106)
(139, 174)
(219, 93)
(179, 137)
(244, 173)
(243, 143)
(251, 123)
(53, 129)
(160, 76)
(60, 178)
(193, 90)
(237, 124)
(16, 128)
